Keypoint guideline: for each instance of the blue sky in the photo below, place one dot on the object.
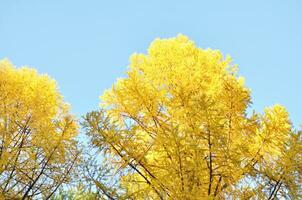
(85, 45)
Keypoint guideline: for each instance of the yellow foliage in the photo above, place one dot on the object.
(36, 129)
(181, 128)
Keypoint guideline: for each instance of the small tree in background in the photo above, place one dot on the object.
(177, 127)
(37, 135)
(95, 178)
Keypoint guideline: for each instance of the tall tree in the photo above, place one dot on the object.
(37, 135)
(178, 126)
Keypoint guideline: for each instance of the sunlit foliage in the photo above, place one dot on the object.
(37, 134)
(179, 128)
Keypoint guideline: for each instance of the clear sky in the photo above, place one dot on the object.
(85, 45)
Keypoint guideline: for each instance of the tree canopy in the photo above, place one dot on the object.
(37, 135)
(178, 126)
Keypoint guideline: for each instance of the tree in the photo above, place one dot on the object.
(178, 127)
(37, 135)
(94, 179)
